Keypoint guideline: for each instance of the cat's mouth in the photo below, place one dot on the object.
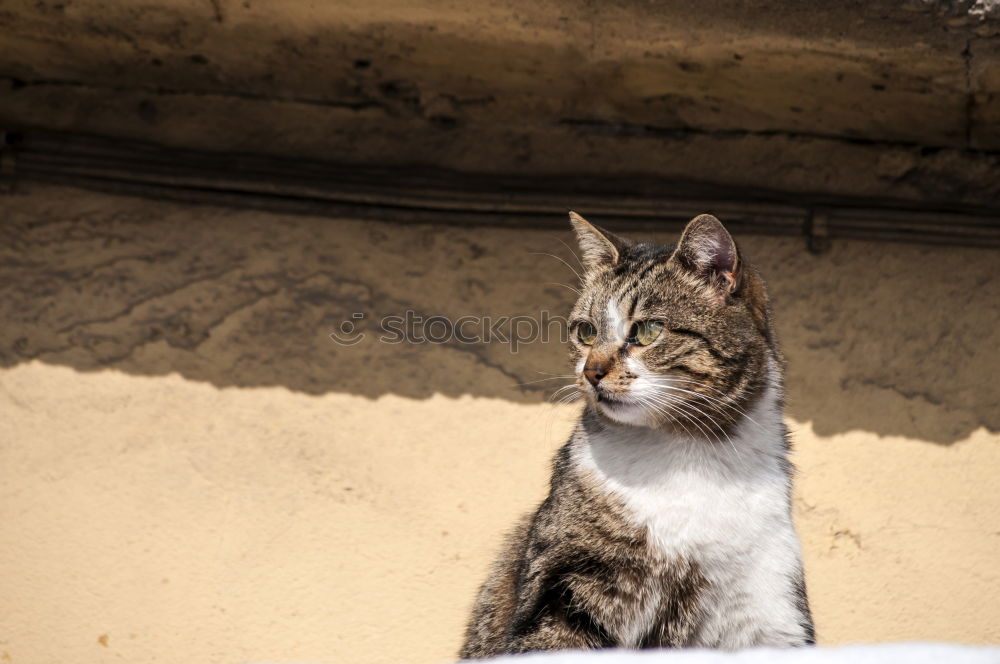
(611, 401)
(621, 409)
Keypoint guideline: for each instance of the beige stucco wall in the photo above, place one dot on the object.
(192, 471)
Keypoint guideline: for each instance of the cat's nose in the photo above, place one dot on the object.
(595, 373)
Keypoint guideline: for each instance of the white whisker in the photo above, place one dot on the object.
(680, 405)
(566, 244)
(557, 283)
(667, 383)
(542, 380)
(543, 253)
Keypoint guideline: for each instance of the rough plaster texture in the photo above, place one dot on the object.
(192, 471)
(877, 99)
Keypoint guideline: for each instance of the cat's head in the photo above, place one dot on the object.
(670, 337)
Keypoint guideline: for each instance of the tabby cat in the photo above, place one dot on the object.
(668, 520)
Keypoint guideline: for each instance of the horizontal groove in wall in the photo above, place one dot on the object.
(423, 195)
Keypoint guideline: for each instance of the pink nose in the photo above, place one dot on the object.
(595, 374)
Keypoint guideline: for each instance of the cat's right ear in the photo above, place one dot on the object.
(707, 249)
(600, 248)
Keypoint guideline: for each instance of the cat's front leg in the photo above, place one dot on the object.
(552, 632)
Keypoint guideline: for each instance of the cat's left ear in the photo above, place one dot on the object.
(600, 248)
(707, 249)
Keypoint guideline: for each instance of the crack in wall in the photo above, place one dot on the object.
(176, 330)
(16, 84)
(684, 132)
(583, 124)
(970, 97)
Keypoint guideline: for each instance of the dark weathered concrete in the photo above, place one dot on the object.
(886, 99)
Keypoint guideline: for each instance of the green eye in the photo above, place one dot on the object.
(645, 332)
(586, 333)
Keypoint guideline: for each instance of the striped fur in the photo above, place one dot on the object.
(668, 520)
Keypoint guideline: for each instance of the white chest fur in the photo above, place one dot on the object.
(722, 507)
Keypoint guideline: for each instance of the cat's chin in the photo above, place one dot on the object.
(624, 412)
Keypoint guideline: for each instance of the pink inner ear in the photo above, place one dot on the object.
(707, 249)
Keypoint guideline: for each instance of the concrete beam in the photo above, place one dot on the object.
(883, 99)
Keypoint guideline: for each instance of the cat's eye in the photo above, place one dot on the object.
(586, 333)
(645, 332)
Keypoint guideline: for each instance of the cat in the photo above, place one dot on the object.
(668, 520)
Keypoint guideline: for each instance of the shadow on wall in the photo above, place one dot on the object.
(893, 339)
